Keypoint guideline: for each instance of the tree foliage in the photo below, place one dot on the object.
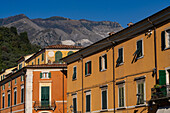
(13, 46)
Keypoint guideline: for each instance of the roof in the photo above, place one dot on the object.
(47, 66)
(121, 36)
(63, 47)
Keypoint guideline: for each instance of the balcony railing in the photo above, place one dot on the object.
(44, 105)
(160, 92)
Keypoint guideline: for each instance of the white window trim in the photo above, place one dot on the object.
(103, 66)
(138, 82)
(167, 40)
(142, 48)
(76, 72)
(45, 75)
(104, 89)
(119, 86)
(89, 93)
(91, 68)
(123, 55)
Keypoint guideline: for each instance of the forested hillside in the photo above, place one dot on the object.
(13, 46)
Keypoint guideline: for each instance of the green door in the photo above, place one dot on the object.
(45, 96)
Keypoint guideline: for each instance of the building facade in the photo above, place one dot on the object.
(116, 74)
(39, 84)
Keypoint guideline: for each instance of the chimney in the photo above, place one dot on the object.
(111, 33)
(130, 24)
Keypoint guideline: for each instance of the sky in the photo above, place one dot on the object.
(121, 11)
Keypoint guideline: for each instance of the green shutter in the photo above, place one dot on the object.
(85, 68)
(49, 75)
(40, 75)
(75, 105)
(90, 67)
(87, 103)
(42, 56)
(70, 52)
(162, 77)
(163, 45)
(9, 100)
(100, 63)
(104, 99)
(58, 56)
(74, 73)
(105, 56)
(38, 61)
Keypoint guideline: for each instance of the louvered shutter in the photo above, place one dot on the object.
(105, 56)
(163, 40)
(40, 75)
(100, 63)
(49, 75)
(85, 68)
(90, 67)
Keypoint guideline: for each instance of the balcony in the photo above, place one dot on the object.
(160, 92)
(44, 105)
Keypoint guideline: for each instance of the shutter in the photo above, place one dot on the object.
(40, 75)
(90, 66)
(119, 97)
(74, 105)
(100, 63)
(85, 68)
(49, 75)
(105, 56)
(163, 40)
(122, 96)
(104, 100)
(162, 77)
(87, 103)
(70, 52)
(58, 56)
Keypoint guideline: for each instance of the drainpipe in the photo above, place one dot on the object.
(63, 91)
(24, 90)
(155, 50)
(82, 84)
(11, 95)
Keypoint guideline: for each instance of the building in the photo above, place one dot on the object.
(116, 74)
(39, 84)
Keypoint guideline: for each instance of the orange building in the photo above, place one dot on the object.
(116, 74)
(39, 85)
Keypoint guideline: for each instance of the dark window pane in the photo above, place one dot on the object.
(87, 103)
(104, 99)
(74, 105)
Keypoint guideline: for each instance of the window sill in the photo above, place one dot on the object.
(167, 48)
(103, 110)
(120, 108)
(74, 79)
(120, 64)
(140, 105)
(140, 57)
(87, 75)
(103, 70)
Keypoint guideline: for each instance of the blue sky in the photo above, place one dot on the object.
(121, 11)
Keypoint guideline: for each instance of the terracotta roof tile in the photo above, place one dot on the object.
(64, 47)
(48, 65)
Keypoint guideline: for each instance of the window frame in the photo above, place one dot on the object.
(88, 93)
(120, 86)
(140, 81)
(121, 63)
(103, 62)
(73, 73)
(167, 39)
(102, 90)
(75, 97)
(45, 75)
(142, 48)
(87, 74)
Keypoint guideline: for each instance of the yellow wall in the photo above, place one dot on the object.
(142, 67)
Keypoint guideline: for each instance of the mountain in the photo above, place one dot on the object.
(60, 30)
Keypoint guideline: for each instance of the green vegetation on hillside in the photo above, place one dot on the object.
(13, 46)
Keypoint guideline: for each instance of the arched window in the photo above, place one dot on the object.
(70, 52)
(58, 56)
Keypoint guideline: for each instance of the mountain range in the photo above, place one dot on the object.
(60, 30)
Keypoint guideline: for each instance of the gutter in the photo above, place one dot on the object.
(82, 85)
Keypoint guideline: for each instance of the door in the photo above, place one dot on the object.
(45, 97)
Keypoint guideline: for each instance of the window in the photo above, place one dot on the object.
(3, 87)
(74, 72)
(103, 62)
(15, 80)
(22, 93)
(9, 98)
(165, 37)
(58, 56)
(45, 95)
(9, 84)
(140, 92)
(121, 95)
(45, 75)
(3, 100)
(88, 101)
(104, 99)
(15, 96)
(22, 78)
(20, 66)
(38, 61)
(42, 57)
(32, 63)
(120, 57)
(139, 50)
(88, 68)
(3, 76)
(75, 103)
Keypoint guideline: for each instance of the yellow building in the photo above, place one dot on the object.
(116, 74)
(6, 71)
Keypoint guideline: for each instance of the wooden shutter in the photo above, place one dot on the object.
(9, 100)
(49, 75)
(105, 56)
(100, 63)
(90, 67)
(58, 56)
(163, 40)
(85, 68)
(74, 105)
(104, 99)
(40, 75)
(87, 103)
(162, 77)
(122, 96)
